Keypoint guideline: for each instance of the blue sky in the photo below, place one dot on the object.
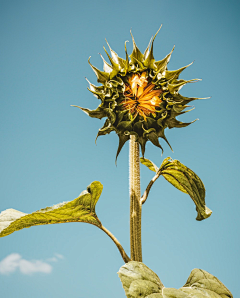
(48, 154)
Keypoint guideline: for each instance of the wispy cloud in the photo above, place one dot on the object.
(56, 258)
(15, 261)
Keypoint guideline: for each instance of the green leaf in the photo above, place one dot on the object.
(122, 140)
(138, 280)
(106, 129)
(148, 55)
(188, 182)
(148, 163)
(127, 61)
(115, 66)
(199, 284)
(207, 283)
(98, 91)
(116, 58)
(174, 74)
(153, 137)
(98, 113)
(136, 56)
(162, 64)
(183, 179)
(106, 66)
(172, 122)
(102, 76)
(176, 85)
(141, 282)
(124, 126)
(82, 209)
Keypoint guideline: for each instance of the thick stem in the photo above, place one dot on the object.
(135, 201)
(119, 246)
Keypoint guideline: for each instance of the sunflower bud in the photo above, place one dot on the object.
(139, 96)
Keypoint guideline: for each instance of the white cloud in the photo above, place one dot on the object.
(56, 258)
(53, 259)
(9, 264)
(59, 256)
(15, 261)
(29, 267)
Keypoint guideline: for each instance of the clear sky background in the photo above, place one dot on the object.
(48, 154)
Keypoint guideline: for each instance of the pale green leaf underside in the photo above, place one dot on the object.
(183, 179)
(81, 209)
(148, 163)
(141, 282)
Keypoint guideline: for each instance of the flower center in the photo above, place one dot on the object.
(141, 97)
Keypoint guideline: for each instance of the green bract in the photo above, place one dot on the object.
(139, 96)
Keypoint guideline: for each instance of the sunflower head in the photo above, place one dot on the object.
(139, 96)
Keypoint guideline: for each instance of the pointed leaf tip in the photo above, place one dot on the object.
(102, 76)
(118, 63)
(81, 209)
(161, 65)
(122, 140)
(136, 56)
(106, 66)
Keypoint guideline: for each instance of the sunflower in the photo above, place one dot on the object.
(139, 96)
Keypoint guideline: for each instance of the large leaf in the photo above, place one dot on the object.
(188, 182)
(138, 280)
(141, 282)
(206, 283)
(183, 179)
(82, 209)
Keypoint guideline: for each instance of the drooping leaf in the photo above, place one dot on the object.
(122, 140)
(188, 182)
(154, 139)
(81, 209)
(141, 282)
(183, 179)
(142, 141)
